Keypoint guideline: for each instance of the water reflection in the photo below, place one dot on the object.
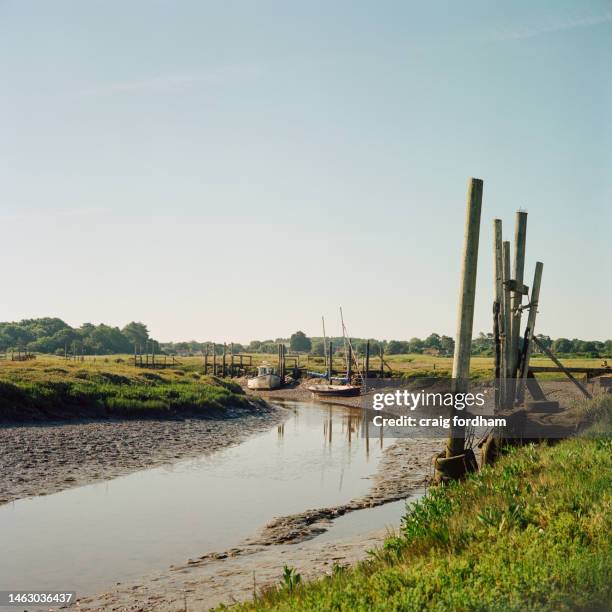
(88, 538)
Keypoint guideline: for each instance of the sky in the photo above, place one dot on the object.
(235, 170)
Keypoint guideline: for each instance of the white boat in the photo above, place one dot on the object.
(266, 379)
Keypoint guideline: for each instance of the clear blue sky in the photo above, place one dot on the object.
(234, 170)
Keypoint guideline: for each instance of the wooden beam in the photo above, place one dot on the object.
(530, 331)
(565, 370)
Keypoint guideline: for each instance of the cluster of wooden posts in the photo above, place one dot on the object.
(229, 364)
(150, 358)
(513, 349)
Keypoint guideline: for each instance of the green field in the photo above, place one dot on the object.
(530, 533)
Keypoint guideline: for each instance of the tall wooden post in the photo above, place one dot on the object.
(330, 368)
(206, 359)
(366, 368)
(497, 307)
(520, 238)
(224, 362)
(530, 331)
(232, 359)
(214, 359)
(465, 314)
(507, 334)
(382, 361)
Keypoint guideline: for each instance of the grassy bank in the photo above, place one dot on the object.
(531, 533)
(52, 388)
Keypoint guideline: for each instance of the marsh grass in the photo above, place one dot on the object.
(54, 388)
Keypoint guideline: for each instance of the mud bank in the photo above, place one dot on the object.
(233, 575)
(44, 459)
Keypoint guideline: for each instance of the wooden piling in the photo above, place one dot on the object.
(529, 332)
(465, 314)
(506, 317)
(224, 362)
(214, 359)
(520, 238)
(366, 367)
(497, 307)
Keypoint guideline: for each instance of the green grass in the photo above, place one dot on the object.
(53, 388)
(530, 533)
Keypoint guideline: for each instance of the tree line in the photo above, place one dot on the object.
(52, 335)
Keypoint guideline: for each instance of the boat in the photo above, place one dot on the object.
(335, 390)
(266, 379)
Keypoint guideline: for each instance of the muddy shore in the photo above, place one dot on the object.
(231, 576)
(44, 459)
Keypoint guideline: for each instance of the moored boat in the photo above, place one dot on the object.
(335, 390)
(266, 379)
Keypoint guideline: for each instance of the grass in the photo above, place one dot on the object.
(51, 387)
(530, 533)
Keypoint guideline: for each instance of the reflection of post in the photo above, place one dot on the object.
(329, 426)
(465, 318)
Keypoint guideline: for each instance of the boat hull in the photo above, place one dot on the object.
(335, 390)
(264, 382)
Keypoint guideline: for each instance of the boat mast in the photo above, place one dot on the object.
(324, 344)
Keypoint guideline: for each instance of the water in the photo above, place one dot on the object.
(89, 538)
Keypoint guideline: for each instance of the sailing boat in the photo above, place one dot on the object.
(343, 390)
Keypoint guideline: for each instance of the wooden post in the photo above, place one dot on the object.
(497, 306)
(232, 359)
(520, 238)
(330, 368)
(206, 360)
(214, 359)
(529, 332)
(153, 352)
(465, 315)
(382, 361)
(224, 368)
(506, 316)
(366, 367)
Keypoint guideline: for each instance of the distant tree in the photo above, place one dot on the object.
(299, 342)
(254, 346)
(447, 345)
(432, 341)
(395, 347)
(136, 333)
(561, 345)
(318, 350)
(415, 345)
